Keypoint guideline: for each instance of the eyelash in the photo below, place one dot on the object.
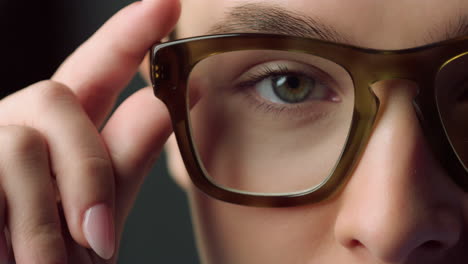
(268, 72)
(296, 110)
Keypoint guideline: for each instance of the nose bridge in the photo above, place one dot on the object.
(391, 89)
(398, 113)
(398, 141)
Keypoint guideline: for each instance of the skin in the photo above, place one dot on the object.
(398, 207)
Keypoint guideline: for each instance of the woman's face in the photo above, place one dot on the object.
(399, 206)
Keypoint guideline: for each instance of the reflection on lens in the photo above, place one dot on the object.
(269, 122)
(452, 101)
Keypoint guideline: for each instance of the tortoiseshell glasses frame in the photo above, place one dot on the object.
(171, 64)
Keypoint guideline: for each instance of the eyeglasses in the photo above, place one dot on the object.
(274, 120)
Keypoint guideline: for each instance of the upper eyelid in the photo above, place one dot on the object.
(316, 72)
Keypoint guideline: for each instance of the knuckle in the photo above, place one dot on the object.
(50, 91)
(97, 175)
(44, 230)
(45, 234)
(21, 140)
(95, 165)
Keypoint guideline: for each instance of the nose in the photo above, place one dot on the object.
(399, 203)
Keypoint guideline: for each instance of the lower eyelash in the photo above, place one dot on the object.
(276, 110)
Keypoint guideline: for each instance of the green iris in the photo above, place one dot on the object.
(291, 88)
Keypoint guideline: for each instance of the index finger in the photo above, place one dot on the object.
(99, 69)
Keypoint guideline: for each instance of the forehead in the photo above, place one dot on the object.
(369, 23)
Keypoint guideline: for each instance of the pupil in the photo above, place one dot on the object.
(293, 82)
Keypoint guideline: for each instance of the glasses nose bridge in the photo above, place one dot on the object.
(398, 71)
(387, 67)
(388, 71)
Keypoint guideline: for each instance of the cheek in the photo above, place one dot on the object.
(229, 233)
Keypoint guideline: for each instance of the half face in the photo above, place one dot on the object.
(399, 206)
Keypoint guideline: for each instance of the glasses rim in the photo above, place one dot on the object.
(172, 62)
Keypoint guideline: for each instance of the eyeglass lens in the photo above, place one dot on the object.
(268, 121)
(452, 101)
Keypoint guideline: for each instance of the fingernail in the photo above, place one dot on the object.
(98, 228)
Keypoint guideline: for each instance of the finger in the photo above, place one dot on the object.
(11, 256)
(134, 136)
(5, 237)
(104, 64)
(4, 251)
(175, 164)
(32, 212)
(79, 160)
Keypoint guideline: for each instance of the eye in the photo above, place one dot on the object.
(293, 88)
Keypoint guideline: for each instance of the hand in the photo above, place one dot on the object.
(66, 188)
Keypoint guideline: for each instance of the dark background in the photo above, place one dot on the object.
(35, 37)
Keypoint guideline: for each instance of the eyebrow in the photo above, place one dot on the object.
(456, 27)
(270, 18)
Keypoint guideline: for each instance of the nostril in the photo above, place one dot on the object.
(432, 245)
(355, 243)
